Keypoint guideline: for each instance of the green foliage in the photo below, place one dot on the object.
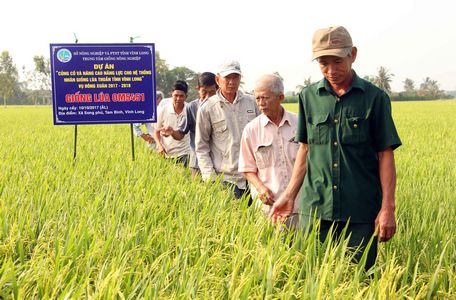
(409, 86)
(105, 227)
(291, 99)
(9, 83)
(306, 83)
(429, 90)
(383, 79)
(403, 96)
(39, 81)
(37, 88)
(166, 78)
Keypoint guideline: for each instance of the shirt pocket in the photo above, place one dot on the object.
(244, 119)
(355, 130)
(264, 156)
(220, 131)
(318, 129)
(293, 147)
(250, 115)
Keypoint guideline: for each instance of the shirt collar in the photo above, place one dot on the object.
(170, 107)
(264, 120)
(201, 101)
(357, 83)
(223, 99)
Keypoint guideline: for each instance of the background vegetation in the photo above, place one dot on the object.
(429, 89)
(36, 88)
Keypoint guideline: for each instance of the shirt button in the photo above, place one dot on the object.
(334, 187)
(336, 121)
(355, 125)
(335, 165)
(335, 143)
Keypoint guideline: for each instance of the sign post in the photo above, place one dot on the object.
(132, 143)
(131, 125)
(75, 140)
(103, 84)
(76, 125)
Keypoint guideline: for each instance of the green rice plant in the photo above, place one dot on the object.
(103, 226)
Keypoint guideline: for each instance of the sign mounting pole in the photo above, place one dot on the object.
(76, 125)
(131, 124)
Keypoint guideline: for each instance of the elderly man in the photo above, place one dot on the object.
(268, 147)
(219, 124)
(345, 162)
(170, 115)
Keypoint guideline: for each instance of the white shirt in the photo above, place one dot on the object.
(270, 151)
(219, 126)
(137, 128)
(164, 102)
(168, 117)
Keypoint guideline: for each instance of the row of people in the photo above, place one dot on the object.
(206, 88)
(334, 161)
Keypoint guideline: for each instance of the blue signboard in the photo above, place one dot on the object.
(103, 83)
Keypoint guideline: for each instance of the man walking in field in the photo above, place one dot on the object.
(219, 126)
(170, 115)
(207, 87)
(345, 164)
(268, 147)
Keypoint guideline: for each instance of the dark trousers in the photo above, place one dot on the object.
(183, 160)
(238, 193)
(360, 235)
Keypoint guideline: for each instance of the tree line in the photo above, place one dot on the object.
(429, 89)
(35, 88)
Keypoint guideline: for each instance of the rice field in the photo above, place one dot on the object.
(103, 226)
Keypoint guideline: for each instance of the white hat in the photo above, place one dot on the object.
(229, 67)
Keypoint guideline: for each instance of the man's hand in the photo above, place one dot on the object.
(266, 195)
(148, 138)
(161, 150)
(166, 131)
(385, 224)
(281, 209)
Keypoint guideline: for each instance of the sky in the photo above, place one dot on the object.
(411, 38)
